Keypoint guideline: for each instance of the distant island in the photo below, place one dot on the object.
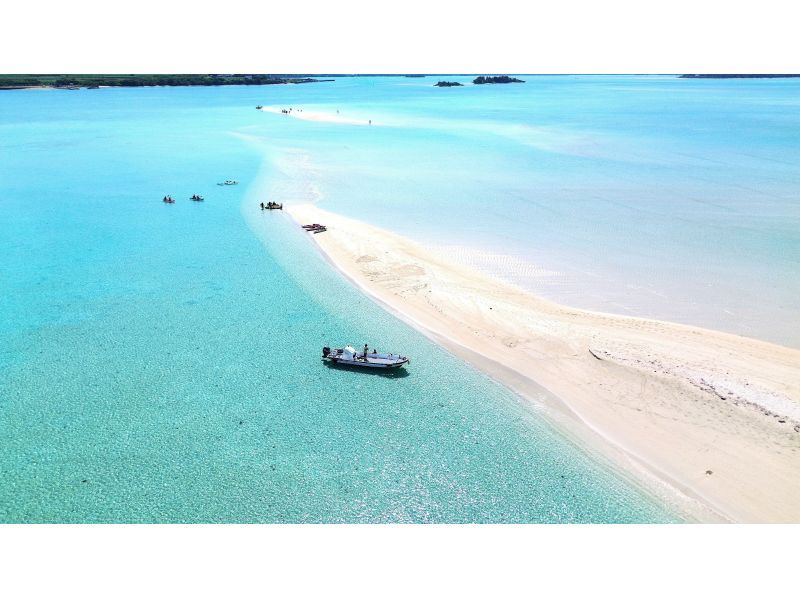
(95, 81)
(501, 79)
(731, 76)
(448, 84)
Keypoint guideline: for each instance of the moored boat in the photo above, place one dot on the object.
(350, 357)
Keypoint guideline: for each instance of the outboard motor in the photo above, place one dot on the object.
(326, 351)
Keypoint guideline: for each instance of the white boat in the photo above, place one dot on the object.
(228, 183)
(349, 356)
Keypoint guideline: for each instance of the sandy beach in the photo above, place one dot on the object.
(316, 116)
(710, 418)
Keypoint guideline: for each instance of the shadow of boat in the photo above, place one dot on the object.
(401, 372)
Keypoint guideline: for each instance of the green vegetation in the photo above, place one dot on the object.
(16, 81)
(501, 79)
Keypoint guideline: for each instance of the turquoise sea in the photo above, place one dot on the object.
(160, 363)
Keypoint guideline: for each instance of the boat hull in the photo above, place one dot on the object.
(365, 364)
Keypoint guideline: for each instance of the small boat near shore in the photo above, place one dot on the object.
(364, 359)
(271, 205)
(315, 228)
(230, 182)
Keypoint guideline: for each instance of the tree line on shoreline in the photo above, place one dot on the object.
(17, 81)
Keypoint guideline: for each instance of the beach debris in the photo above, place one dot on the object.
(593, 354)
(734, 391)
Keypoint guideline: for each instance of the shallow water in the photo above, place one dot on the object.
(649, 196)
(160, 363)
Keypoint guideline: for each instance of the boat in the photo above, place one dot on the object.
(350, 357)
(259, 107)
(271, 206)
(196, 197)
(315, 228)
(168, 199)
(228, 183)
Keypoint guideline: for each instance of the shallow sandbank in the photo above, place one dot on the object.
(713, 415)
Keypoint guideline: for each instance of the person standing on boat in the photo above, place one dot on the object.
(365, 351)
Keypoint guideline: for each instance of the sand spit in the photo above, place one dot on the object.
(316, 116)
(713, 415)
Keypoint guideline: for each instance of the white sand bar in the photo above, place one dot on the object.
(316, 115)
(713, 415)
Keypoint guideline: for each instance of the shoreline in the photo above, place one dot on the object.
(564, 421)
(705, 420)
